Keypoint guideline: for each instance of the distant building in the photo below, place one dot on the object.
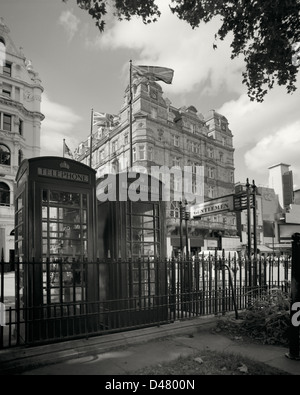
(163, 135)
(20, 125)
(281, 180)
(274, 224)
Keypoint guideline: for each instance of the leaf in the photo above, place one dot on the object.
(199, 360)
(243, 368)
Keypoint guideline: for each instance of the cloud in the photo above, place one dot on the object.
(251, 121)
(70, 22)
(265, 133)
(59, 123)
(172, 43)
(282, 146)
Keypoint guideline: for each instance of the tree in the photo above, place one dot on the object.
(265, 32)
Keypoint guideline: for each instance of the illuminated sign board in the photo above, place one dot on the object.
(213, 206)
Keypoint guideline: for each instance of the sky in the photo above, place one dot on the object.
(81, 69)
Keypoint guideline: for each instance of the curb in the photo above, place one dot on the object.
(19, 359)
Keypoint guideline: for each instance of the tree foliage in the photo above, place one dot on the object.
(265, 32)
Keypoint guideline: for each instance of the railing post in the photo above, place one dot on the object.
(295, 300)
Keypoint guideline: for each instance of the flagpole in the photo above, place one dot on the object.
(64, 147)
(130, 112)
(91, 137)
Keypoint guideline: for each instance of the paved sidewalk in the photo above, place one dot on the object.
(124, 353)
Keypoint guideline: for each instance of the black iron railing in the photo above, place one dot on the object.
(153, 293)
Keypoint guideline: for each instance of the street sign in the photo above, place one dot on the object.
(213, 206)
(240, 202)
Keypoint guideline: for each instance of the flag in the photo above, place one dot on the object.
(67, 150)
(101, 119)
(154, 73)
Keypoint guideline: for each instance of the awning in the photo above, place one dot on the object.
(263, 248)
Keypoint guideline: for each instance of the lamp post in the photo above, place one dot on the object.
(186, 217)
(181, 212)
(248, 230)
(254, 231)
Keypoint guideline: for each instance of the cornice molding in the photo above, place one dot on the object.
(20, 107)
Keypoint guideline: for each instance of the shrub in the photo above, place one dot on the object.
(266, 319)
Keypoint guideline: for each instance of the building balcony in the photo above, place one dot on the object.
(6, 211)
(5, 170)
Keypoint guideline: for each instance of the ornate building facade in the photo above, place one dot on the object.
(162, 135)
(20, 125)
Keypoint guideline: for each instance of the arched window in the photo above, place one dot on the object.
(4, 194)
(4, 155)
(20, 156)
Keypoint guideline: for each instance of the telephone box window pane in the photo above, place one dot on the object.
(19, 217)
(84, 201)
(85, 248)
(54, 295)
(64, 198)
(20, 202)
(45, 196)
(53, 213)
(45, 229)
(44, 212)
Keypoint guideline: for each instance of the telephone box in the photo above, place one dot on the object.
(132, 235)
(54, 239)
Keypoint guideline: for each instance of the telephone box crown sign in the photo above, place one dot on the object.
(64, 165)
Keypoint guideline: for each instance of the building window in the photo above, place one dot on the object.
(211, 172)
(174, 210)
(134, 154)
(210, 152)
(221, 157)
(6, 121)
(20, 157)
(126, 139)
(142, 155)
(153, 112)
(223, 141)
(4, 155)
(211, 192)
(7, 69)
(150, 153)
(176, 141)
(4, 194)
(101, 155)
(194, 167)
(193, 128)
(177, 183)
(114, 146)
(176, 162)
(20, 127)
(6, 90)
(194, 148)
(194, 187)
